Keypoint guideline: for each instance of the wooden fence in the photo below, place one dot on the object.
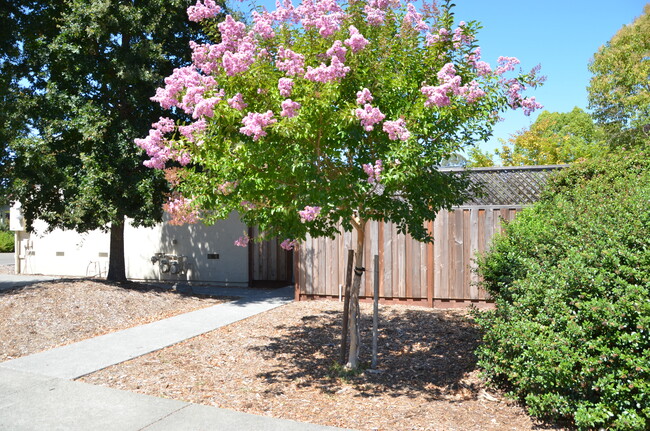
(436, 275)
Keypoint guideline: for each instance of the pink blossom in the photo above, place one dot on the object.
(323, 73)
(158, 148)
(237, 102)
(460, 37)
(181, 210)
(374, 16)
(450, 84)
(241, 60)
(506, 64)
(364, 96)
(285, 85)
(263, 24)
(373, 172)
(291, 62)
(369, 116)
(397, 130)
(289, 244)
(356, 41)
(472, 92)
(164, 124)
(191, 130)
(309, 213)
(530, 104)
(254, 124)
(205, 107)
(324, 15)
(414, 19)
(289, 108)
(436, 96)
(337, 50)
(242, 241)
(203, 10)
(248, 206)
(227, 187)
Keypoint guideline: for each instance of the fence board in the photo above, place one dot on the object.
(409, 270)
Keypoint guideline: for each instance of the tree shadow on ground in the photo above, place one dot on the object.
(420, 353)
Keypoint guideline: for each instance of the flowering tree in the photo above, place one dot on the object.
(326, 114)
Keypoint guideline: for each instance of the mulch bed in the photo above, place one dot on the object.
(54, 313)
(281, 364)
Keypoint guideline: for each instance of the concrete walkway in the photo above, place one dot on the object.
(37, 391)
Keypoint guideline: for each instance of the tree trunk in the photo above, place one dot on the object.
(355, 342)
(116, 265)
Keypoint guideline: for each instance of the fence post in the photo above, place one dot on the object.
(346, 307)
(375, 312)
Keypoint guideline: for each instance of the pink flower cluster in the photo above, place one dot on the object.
(237, 102)
(227, 187)
(376, 10)
(285, 85)
(254, 124)
(191, 130)
(324, 15)
(289, 244)
(516, 100)
(373, 171)
(203, 10)
(337, 50)
(364, 97)
(356, 41)
(397, 130)
(450, 85)
(242, 241)
(291, 62)
(156, 146)
(474, 59)
(414, 19)
(309, 213)
(369, 116)
(460, 37)
(323, 73)
(187, 80)
(181, 211)
(289, 108)
(263, 24)
(506, 64)
(248, 206)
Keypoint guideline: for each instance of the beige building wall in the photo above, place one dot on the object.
(180, 253)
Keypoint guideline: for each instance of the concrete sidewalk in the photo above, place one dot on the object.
(36, 391)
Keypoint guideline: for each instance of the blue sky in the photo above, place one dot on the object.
(562, 36)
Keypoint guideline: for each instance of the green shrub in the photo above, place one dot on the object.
(571, 280)
(6, 242)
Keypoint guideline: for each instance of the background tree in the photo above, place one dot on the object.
(619, 91)
(87, 71)
(554, 138)
(9, 123)
(323, 115)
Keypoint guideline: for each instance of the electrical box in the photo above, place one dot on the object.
(16, 219)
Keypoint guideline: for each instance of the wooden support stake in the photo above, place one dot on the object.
(346, 308)
(375, 312)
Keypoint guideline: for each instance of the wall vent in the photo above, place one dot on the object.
(103, 254)
(60, 253)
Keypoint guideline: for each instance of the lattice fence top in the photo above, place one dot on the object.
(504, 186)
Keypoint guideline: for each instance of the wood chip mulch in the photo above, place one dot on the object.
(54, 313)
(281, 364)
